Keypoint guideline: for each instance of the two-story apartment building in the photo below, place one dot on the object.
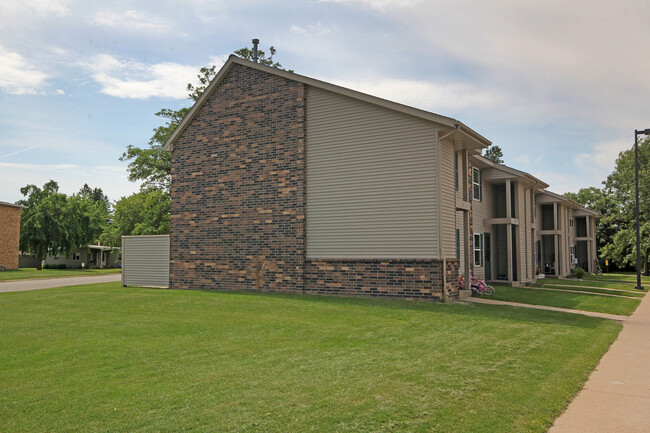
(281, 182)
(522, 231)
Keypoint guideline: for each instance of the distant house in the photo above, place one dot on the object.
(93, 256)
(282, 182)
(9, 235)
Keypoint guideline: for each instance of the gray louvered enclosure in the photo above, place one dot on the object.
(145, 260)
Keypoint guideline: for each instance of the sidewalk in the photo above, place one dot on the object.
(544, 307)
(616, 398)
(46, 283)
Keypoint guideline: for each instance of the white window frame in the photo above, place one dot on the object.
(76, 256)
(476, 184)
(478, 248)
(571, 223)
(572, 254)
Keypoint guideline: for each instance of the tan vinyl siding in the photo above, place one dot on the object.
(481, 210)
(448, 200)
(371, 180)
(145, 260)
(459, 226)
(524, 232)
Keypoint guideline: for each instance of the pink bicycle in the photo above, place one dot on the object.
(478, 287)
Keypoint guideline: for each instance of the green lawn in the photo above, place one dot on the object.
(617, 292)
(24, 273)
(602, 283)
(576, 301)
(106, 358)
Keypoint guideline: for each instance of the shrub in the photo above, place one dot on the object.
(577, 273)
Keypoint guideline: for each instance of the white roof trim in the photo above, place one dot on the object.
(437, 118)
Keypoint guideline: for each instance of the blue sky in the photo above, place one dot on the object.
(560, 86)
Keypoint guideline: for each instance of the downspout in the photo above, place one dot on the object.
(439, 216)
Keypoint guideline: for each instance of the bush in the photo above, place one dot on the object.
(54, 266)
(577, 273)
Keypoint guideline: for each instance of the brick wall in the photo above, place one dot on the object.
(238, 203)
(238, 188)
(9, 236)
(407, 279)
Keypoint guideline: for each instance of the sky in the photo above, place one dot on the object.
(559, 86)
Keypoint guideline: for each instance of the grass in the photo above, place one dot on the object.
(106, 358)
(592, 282)
(25, 273)
(558, 286)
(575, 301)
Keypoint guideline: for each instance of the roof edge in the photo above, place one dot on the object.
(406, 109)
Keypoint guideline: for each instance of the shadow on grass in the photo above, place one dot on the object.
(501, 312)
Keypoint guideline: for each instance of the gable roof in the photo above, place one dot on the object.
(509, 171)
(456, 127)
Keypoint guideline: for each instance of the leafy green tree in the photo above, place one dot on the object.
(494, 154)
(620, 186)
(600, 201)
(246, 53)
(142, 213)
(53, 223)
(151, 164)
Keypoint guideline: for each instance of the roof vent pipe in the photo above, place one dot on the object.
(255, 43)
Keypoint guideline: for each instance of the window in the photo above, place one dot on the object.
(535, 205)
(456, 170)
(458, 244)
(478, 249)
(572, 254)
(571, 218)
(476, 183)
(75, 256)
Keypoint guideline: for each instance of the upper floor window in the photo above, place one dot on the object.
(476, 184)
(570, 218)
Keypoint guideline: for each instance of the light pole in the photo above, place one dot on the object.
(636, 209)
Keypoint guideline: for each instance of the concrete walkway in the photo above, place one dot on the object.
(585, 293)
(616, 398)
(544, 307)
(547, 285)
(46, 283)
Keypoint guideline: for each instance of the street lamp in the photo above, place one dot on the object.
(636, 209)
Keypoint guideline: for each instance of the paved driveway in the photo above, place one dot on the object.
(46, 283)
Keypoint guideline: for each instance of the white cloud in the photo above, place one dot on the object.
(131, 21)
(59, 92)
(131, 79)
(70, 177)
(317, 30)
(580, 60)
(17, 75)
(377, 4)
(41, 7)
(603, 155)
(427, 95)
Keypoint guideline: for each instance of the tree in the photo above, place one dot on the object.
(151, 164)
(53, 223)
(620, 186)
(247, 54)
(142, 213)
(494, 154)
(600, 201)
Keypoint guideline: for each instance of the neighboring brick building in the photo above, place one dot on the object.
(281, 182)
(9, 234)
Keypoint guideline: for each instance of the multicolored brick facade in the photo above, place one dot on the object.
(238, 188)
(9, 235)
(238, 203)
